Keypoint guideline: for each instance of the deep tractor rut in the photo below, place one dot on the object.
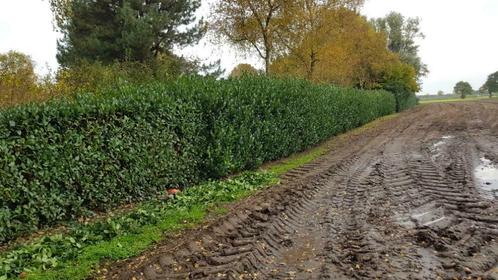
(399, 201)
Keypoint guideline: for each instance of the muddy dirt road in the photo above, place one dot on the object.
(400, 201)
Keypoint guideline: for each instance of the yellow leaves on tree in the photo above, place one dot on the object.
(250, 24)
(17, 78)
(272, 28)
(243, 69)
(343, 49)
(399, 76)
(309, 28)
(322, 41)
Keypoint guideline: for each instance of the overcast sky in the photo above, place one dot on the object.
(460, 43)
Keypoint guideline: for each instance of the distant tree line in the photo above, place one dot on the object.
(490, 87)
(491, 84)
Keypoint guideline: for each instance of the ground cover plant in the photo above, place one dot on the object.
(74, 253)
(66, 159)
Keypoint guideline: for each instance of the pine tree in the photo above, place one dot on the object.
(123, 30)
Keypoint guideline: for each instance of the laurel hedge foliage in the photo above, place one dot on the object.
(70, 158)
(405, 100)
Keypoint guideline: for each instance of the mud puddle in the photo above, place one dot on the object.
(426, 215)
(436, 148)
(486, 174)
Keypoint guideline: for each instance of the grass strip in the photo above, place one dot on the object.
(469, 98)
(294, 161)
(121, 247)
(297, 160)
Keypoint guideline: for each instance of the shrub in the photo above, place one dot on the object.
(66, 158)
(405, 100)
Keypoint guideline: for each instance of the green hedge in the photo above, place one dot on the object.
(404, 99)
(65, 159)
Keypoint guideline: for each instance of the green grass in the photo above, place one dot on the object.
(130, 245)
(294, 161)
(469, 98)
(297, 160)
(121, 247)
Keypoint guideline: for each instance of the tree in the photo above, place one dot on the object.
(273, 27)
(483, 90)
(250, 24)
(348, 52)
(243, 69)
(400, 79)
(123, 30)
(401, 33)
(18, 81)
(440, 93)
(93, 76)
(17, 72)
(17, 69)
(491, 84)
(308, 29)
(463, 89)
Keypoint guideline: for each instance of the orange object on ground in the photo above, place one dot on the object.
(173, 191)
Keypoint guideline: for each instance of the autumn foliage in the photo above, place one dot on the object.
(18, 82)
(322, 41)
(349, 53)
(243, 69)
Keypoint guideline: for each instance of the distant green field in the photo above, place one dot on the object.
(451, 98)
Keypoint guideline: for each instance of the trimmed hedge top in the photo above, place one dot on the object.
(64, 159)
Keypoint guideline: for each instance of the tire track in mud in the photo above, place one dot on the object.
(455, 223)
(351, 250)
(385, 204)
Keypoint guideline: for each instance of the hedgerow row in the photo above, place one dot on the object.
(68, 158)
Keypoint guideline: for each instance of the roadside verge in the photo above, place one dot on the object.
(84, 247)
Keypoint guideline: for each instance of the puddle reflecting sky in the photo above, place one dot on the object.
(487, 175)
(436, 147)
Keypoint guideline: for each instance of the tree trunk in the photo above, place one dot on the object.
(311, 69)
(267, 64)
